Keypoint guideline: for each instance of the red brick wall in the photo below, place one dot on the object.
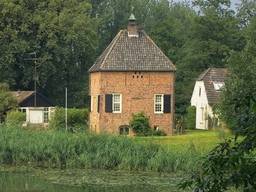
(137, 95)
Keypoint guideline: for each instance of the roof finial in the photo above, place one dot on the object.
(132, 17)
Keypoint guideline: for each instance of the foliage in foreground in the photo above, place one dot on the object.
(190, 118)
(7, 101)
(66, 150)
(140, 125)
(15, 118)
(77, 119)
(233, 162)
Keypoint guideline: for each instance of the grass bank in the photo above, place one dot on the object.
(54, 149)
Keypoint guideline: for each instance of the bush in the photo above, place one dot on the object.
(15, 119)
(77, 119)
(190, 118)
(140, 124)
(158, 133)
(7, 101)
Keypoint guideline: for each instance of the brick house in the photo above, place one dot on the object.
(131, 75)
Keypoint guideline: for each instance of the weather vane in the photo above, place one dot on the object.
(132, 8)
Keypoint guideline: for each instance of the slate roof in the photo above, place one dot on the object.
(210, 76)
(126, 53)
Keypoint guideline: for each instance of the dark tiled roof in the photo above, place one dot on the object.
(132, 54)
(26, 99)
(21, 95)
(210, 76)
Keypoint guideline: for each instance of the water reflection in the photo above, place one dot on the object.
(18, 182)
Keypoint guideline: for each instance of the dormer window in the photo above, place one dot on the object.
(218, 85)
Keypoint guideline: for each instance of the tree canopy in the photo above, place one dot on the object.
(68, 35)
(232, 163)
(60, 40)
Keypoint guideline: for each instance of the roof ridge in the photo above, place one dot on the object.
(202, 75)
(113, 43)
(158, 48)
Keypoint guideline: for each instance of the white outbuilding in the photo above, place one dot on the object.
(37, 107)
(206, 94)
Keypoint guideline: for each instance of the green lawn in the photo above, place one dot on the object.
(200, 140)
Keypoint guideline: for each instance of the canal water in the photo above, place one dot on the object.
(87, 181)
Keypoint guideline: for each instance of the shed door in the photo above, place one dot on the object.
(36, 116)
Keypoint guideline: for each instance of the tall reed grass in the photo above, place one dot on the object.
(66, 150)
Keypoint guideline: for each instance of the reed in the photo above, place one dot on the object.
(55, 149)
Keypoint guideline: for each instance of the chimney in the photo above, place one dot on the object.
(132, 27)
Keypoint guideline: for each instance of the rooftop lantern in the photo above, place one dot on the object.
(132, 27)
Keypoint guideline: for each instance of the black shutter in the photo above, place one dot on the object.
(89, 103)
(98, 107)
(167, 103)
(108, 103)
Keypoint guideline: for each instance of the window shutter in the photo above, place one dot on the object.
(98, 106)
(89, 103)
(108, 103)
(167, 103)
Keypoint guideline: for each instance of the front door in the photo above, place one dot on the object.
(36, 116)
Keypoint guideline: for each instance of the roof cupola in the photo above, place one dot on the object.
(132, 27)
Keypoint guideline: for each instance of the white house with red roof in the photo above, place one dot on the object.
(206, 94)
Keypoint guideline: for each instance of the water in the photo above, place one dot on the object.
(86, 181)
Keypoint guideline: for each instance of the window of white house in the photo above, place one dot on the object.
(117, 103)
(202, 111)
(199, 91)
(23, 110)
(159, 103)
(46, 115)
(218, 85)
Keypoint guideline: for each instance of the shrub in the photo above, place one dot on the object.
(140, 124)
(15, 119)
(158, 133)
(7, 100)
(77, 119)
(190, 118)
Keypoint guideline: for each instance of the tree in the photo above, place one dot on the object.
(232, 163)
(7, 101)
(214, 35)
(63, 35)
(246, 11)
(190, 118)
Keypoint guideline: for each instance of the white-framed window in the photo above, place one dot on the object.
(91, 103)
(23, 110)
(218, 85)
(117, 103)
(46, 115)
(159, 103)
(98, 103)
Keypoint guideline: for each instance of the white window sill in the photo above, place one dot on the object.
(159, 113)
(117, 112)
